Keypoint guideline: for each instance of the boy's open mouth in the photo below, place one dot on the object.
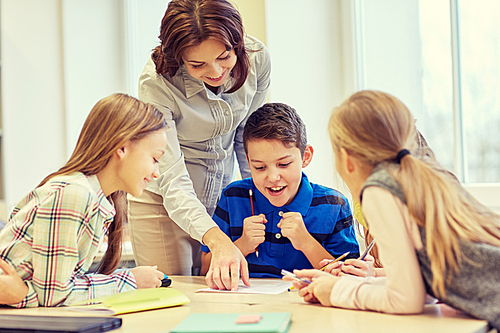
(276, 189)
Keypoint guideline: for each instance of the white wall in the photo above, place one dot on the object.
(94, 57)
(143, 28)
(254, 17)
(33, 104)
(59, 57)
(310, 70)
(402, 67)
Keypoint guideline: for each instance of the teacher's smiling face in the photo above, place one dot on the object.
(209, 62)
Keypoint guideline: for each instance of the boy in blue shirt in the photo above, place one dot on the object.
(277, 218)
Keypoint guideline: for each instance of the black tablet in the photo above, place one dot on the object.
(26, 323)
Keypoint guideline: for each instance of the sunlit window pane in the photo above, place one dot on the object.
(435, 119)
(407, 51)
(479, 33)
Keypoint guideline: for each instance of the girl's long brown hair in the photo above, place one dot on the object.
(374, 126)
(113, 121)
(190, 22)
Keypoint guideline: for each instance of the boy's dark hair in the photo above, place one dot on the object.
(276, 121)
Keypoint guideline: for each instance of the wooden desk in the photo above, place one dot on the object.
(305, 317)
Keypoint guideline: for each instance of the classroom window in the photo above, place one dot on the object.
(479, 54)
(440, 57)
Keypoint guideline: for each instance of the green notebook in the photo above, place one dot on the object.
(271, 322)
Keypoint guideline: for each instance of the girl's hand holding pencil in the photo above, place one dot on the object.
(318, 290)
(333, 267)
(358, 267)
(363, 266)
(329, 263)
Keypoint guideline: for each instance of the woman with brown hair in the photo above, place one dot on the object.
(207, 77)
(54, 233)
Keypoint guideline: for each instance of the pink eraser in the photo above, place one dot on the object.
(248, 319)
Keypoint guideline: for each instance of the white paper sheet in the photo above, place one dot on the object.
(257, 287)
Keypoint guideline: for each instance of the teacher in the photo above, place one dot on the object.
(207, 77)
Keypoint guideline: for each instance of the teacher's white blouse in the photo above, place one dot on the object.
(204, 137)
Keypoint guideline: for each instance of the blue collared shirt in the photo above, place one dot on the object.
(326, 214)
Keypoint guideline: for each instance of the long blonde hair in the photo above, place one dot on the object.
(113, 121)
(374, 126)
(424, 152)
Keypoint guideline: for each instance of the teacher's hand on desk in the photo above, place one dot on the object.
(12, 288)
(226, 263)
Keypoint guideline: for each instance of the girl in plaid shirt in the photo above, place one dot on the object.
(54, 233)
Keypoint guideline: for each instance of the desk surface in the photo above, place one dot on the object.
(305, 317)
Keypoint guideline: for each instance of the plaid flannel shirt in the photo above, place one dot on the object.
(52, 237)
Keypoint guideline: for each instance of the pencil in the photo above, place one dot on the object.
(362, 257)
(250, 192)
(331, 262)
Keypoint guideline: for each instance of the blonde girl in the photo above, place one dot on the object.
(54, 233)
(371, 265)
(431, 234)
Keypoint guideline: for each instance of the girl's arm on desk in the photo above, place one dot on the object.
(390, 294)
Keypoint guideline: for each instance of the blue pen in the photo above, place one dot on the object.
(368, 248)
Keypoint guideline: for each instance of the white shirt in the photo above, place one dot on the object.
(204, 137)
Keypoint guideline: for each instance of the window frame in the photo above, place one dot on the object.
(486, 193)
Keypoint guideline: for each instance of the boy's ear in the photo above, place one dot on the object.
(308, 155)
